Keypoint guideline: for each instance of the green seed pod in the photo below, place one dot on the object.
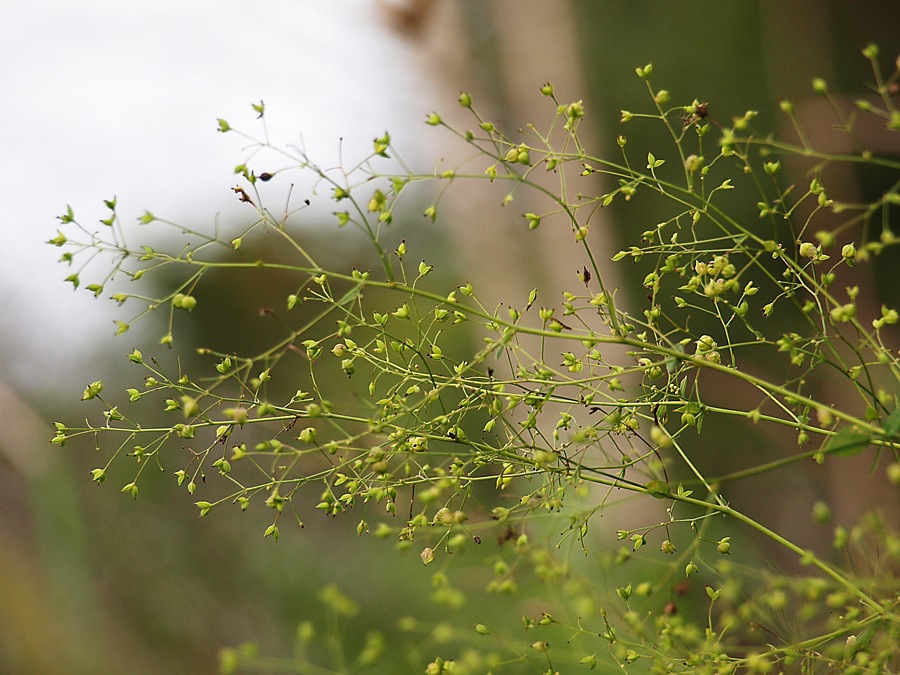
(92, 390)
(821, 513)
(893, 473)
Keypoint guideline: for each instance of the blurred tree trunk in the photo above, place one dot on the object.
(501, 53)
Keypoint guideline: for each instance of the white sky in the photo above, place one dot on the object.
(105, 97)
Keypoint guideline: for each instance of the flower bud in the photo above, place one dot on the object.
(575, 110)
(705, 344)
(693, 163)
(844, 313)
(644, 72)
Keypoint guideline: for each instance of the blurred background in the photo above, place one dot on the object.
(106, 99)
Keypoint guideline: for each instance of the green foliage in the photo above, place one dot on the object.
(394, 399)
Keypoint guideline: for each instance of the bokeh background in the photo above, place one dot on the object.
(105, 98)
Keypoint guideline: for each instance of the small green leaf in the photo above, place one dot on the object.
(658, 489)
(892, 424)
(847, 442)
(653, 162)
